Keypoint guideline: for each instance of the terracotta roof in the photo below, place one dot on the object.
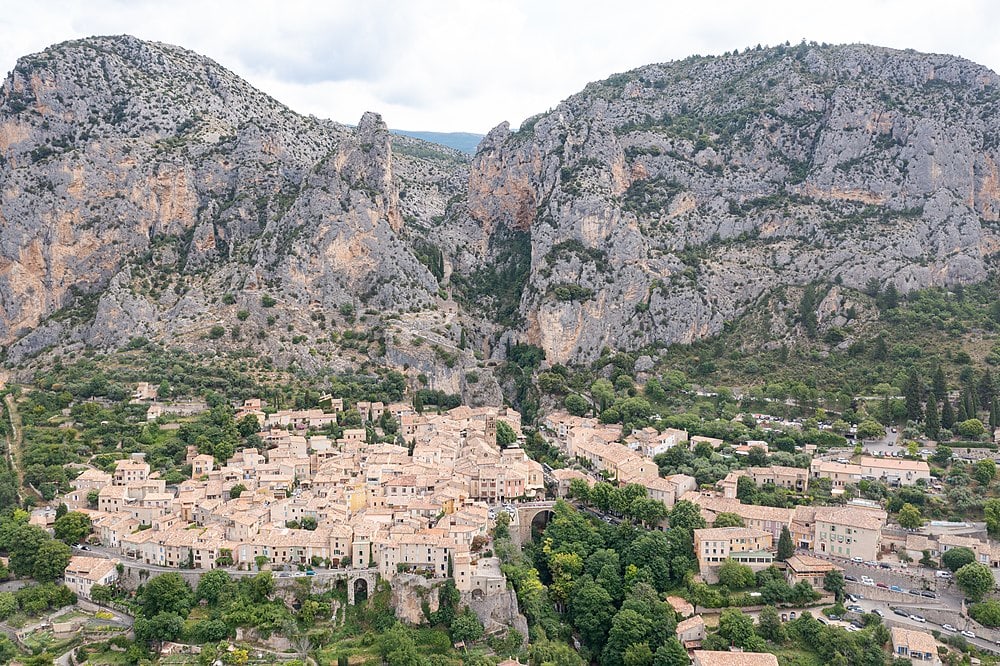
(711, 658)
(690, 623)
(727, 533)
(867, 519)
(915, 641)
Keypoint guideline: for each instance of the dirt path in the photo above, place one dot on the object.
(14, 440)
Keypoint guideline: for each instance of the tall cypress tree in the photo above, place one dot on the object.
(940, 386)
(912, 391)
(786, 547)
(985, 389)
(947, 414)
(963, 409)
(932, 426)
(972, 406)
(995, 414)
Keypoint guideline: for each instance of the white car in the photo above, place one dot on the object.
(918, 618)
(948, 627)
(865, 580)
(968, 634)
(857, 559)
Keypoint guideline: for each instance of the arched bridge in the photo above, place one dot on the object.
(530, 514)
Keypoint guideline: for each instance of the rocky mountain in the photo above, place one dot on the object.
(662, 202)
(147, 192)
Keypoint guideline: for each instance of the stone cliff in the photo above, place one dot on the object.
(663, 202)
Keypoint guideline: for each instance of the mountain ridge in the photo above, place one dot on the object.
(149, 192)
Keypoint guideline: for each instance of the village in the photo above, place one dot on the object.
(309, 505)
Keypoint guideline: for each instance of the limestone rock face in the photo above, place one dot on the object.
(147, 192)
(663, 202)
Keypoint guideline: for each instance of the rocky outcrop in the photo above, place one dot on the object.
(498, 612)
(413, 598)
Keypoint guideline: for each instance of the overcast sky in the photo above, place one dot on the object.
(466, 65)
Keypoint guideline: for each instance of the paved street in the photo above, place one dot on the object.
(919, 608)
(108, 553)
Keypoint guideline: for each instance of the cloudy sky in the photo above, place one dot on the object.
(454, 65)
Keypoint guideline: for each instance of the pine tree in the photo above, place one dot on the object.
(947, 415)
(995, 414)
(807, 310)
(889, 298)
(940, 386)
(932, 426)
(880, 351)
(912, 392)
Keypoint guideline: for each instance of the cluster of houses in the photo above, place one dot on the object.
(422, 507)
(424, 504)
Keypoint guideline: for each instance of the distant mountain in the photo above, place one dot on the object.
(463, 141)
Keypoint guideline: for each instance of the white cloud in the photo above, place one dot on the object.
(469, 64)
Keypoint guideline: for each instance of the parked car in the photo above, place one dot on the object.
(871, 563)
(852, 627)
(895, 588)
(928, 594)
(851, 579)
(917, 618)
(858, 623)
(791, 615)
(834, 617)
(857, 559)
(856, 609)
(822, 620)
(878, 611)
(882, 585)
(915, 593)
(943, 574)
(900, 612)
(885, 565)
(968, 634)
(948, 627)
(852, 598)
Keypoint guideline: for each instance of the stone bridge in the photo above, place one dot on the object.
(360, 582)
(529, 514)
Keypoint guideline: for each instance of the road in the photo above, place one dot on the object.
(918, 607)
(110, 553)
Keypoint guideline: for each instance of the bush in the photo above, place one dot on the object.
(986, 613)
